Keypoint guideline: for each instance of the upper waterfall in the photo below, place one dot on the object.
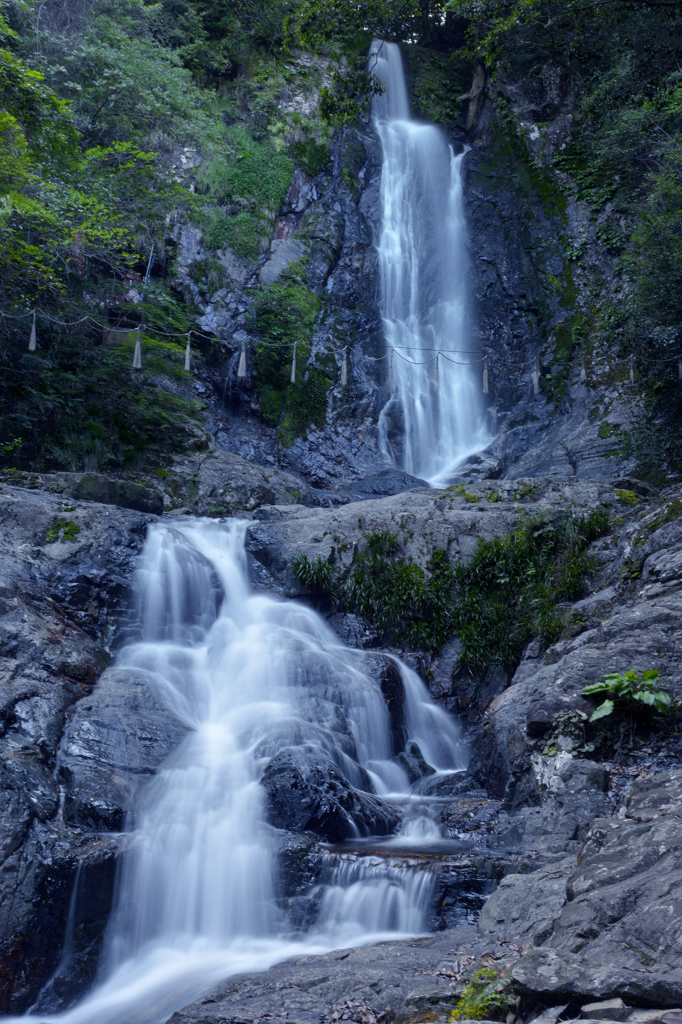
(434, 418)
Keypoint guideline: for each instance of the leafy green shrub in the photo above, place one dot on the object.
(78, 405)
(398, 597)
(310, 155)
(244, 233)
(507, 593)
(485, 994)
(285, 314)
(494, 604)
(627, 691)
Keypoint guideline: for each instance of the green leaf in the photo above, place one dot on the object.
(594, 689)
(602, 711)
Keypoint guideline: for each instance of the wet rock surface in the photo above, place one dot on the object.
(66, 570)
(406, 978)
(308, 792)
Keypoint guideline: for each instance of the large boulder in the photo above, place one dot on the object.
(116, 740)
(107, 490)
(422, 520)
(306, 792)
(617, 932)
(223, 484)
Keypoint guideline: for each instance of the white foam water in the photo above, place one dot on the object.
(250, 676)
(433, 421)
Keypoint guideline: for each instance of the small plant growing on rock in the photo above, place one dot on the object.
(487, 992)
(628, 691)
(569, 726)
(62, 529)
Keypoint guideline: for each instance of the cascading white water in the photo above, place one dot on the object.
(434, 418)
(250, 676)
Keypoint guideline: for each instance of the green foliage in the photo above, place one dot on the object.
(628, 691)
(570, 725)
(319, 24)
(348, 97)
(248, 180)
(485, 994)
(61, 529)
(494, 604)
(398, 597)
(243, 233)
(507, 593)
(131, 89)
(436, 79)
(284, 315)
(311, 155)
(254, 174)
(77, 404)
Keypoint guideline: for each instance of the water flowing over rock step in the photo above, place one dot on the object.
(121, 731)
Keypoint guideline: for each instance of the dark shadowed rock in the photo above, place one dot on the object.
(306, 792)
(412, 762)
(114, 743)
(381, 485)
(64, 596)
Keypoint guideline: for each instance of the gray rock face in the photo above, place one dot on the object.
(617, 933)
(632, 623)
(116, 739)
(64, 595)
(408, 978)
(223, 484)
(523, 907)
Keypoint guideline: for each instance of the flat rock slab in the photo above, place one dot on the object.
(410, 978)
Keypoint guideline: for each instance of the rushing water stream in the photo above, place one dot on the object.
(250, 676)
(434, 418)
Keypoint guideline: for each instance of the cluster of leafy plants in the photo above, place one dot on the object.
(495, 603)
(488, 995)
(627, 702)
(284, 315)
(509, 590)
(247, 182)
(626, 692)
(398, 597)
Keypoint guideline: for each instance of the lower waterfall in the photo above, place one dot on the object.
(250, 676)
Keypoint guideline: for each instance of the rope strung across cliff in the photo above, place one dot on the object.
(533, 362)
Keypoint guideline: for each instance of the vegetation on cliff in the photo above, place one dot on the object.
(120, 119)
(494, 604)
